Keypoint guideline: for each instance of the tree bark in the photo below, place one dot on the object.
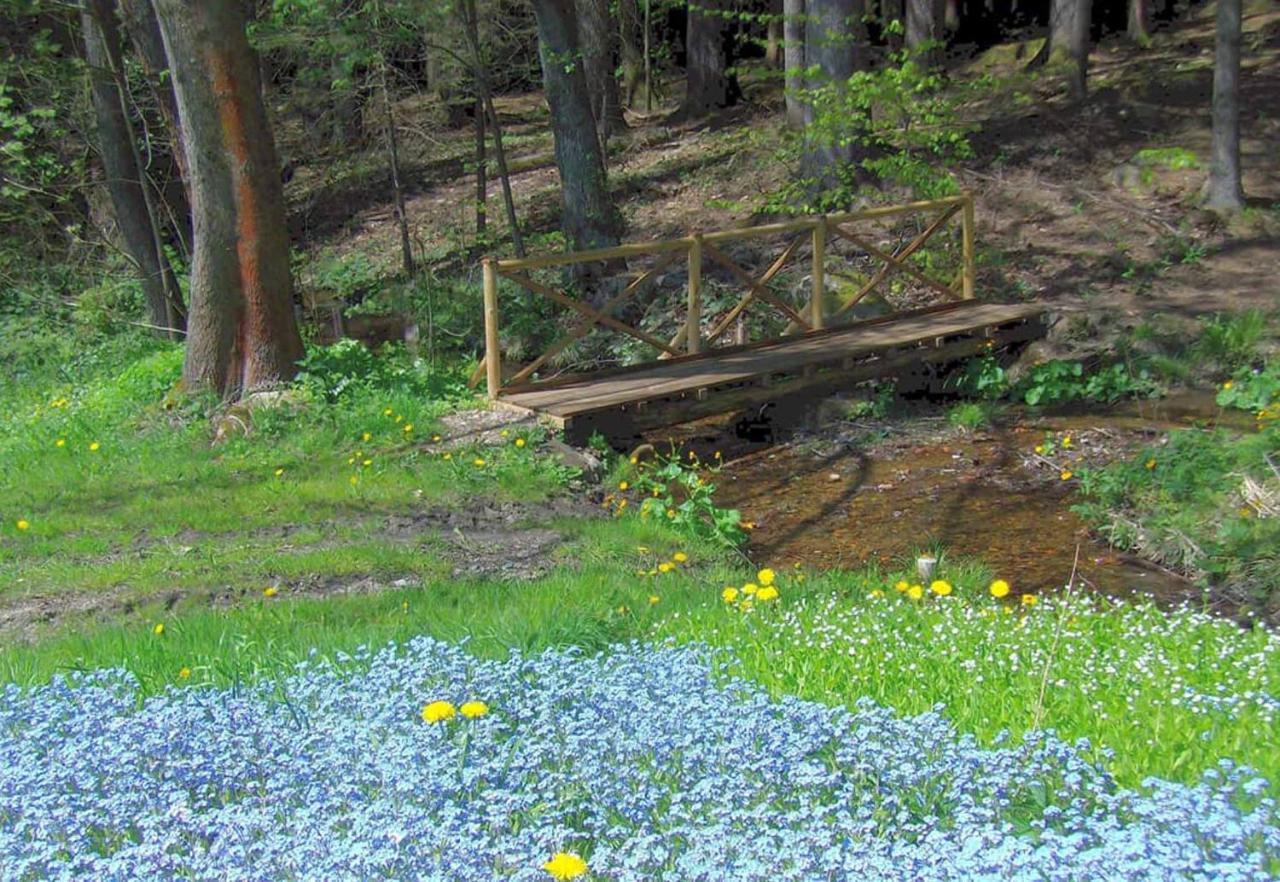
(709, 85)
(774, 37)
(131, 196)
(793, 28)
(1139, 29)
(1069, 37)
(599, 37)
(1225, 192)
(924, 25)
(589, 219)
(631, 45)
(832, 47)
(242, 335)
(139, 19)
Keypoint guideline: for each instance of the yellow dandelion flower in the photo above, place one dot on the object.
(473, 710)
(279, 472)
(671, 513)
(1066, 475)
(184, 673)
(351, 460)
(875, 594)
(366, 463)
(520, 442)
(387, 412)
(61, 442)
(623, 485)
(435, 439)
(270, 591)
(478, 462)
(565, 865)
(1029, 600)
(915, 592)
(408, 427)
(940, 587)
(653, 599)
(666, 566)
(366, 437)
(729, 594)
(999, 588)
(23, 524)
(767, 593)
(1066, 441)
(158, 629)
(634, 460)
(901, 586)
(750, 588)
(448, 456)
(505, 433)
(765, 576)
(438, 712)
(643, 549)
(95, 446)
(1228, 384)
(1040, 448)
(1151, 464)
(679, 557)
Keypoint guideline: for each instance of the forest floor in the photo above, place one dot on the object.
(1090, 208)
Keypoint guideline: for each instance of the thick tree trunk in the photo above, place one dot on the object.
(241, 332)
(598, 36)
(709, 85)
(1069, 37)
(140, 23)
(773, 36)
(131, 197)
(589, 219)
(793, 15)
(1139, 29)
(924, 25)
(832, 46)
(1224, 190)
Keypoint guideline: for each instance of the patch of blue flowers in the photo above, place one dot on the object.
(646, 761)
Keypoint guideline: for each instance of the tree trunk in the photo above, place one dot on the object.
(242, 335)
(709, 85)
(1139, 29)
(131, 196)
(793, 12)
(924, 26)
(1069, 37)
(832, 47)
(1225, 192)
(773, 36)
(589, 219)
(598, 36)
(140, 23)
(631, 45)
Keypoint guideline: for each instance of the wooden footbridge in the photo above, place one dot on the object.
(708, 366)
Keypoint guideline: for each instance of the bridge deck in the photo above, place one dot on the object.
(847, 354)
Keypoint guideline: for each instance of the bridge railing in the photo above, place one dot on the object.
(699, 249)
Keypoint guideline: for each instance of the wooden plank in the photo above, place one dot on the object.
(595, 255)
(671, 377)
(580, 330)
(594, 376)
(743, 276)
(833, 377)
(591, 313)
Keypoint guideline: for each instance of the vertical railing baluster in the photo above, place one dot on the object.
(693, 321)
(816, 318)
(492, 355)
(967, 232)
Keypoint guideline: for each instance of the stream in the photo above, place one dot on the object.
(840, 493)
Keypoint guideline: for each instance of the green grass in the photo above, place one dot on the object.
(1128, 676)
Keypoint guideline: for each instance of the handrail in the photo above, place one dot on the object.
(810, 317)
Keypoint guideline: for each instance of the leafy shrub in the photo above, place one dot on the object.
(674, 490)
(348, 366)
(983, 377)
(1232, 341)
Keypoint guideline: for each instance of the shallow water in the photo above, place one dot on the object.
(841, 497)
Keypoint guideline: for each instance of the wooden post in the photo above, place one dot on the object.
(819, 268)
(693, 321)
(966, 232)
(492, 355)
